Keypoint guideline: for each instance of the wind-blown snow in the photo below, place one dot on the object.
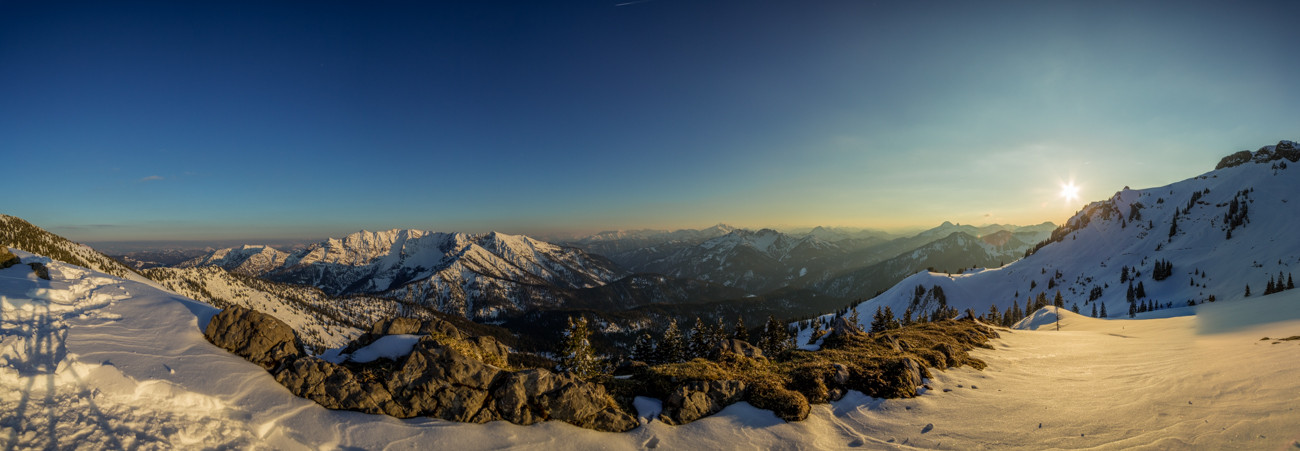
(101, 362)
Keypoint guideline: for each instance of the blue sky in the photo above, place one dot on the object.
(230, 120)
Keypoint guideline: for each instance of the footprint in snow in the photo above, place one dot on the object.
(928, 427)
(652, 443)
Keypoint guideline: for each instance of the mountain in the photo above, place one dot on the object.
(956, 252)
(756, 262)
(476, 276)
(1221, 231)
(141, 260)
(635, 248)
(248, 260)
(20, 234)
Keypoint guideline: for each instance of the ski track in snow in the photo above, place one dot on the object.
(92, 361)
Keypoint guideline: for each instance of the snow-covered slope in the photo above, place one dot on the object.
(321, 321)
(1256, 203)
(477, 276)
(91, 361)
(20, 234)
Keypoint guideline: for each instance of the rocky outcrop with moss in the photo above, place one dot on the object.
(447, 375)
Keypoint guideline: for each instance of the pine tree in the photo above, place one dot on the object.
(774, 337)
(907, 317)
(1103, 310)
(1058, 301)
(718, 333)
(740, 332)
(994, 318)
(644, 350)
(853, 317)
(672, 348)
(891, 323)
(1131, 296)
(1132, 310)
(1094, 310)
(878, 321)
(1290, 284)
(698, 343)
(575, 350)
(1074, 307)
(1247, 290)
(1141, 291)
(1123, 274)
(1268, 289)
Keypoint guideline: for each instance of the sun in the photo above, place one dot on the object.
(1070, 192)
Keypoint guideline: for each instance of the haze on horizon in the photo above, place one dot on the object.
(215, 121)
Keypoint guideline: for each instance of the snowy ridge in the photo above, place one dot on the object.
(477, 276)
(20, 234)
(1133, 229)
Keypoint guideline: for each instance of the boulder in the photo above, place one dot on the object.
(489, 349)
(841, 374)
(431, 361)
(536, 395)
(255, 336)
(395, 326)
(699, 399)
(738, 347)
(842, 327)
(335, 387)
(439, 326)
(40, 269)
(912, 372)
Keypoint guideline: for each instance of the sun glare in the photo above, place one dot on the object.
(1069, 192)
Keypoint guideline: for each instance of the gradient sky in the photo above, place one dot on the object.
(184, 120)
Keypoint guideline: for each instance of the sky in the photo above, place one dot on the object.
(304, 120)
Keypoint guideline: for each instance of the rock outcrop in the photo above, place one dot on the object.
(740, 347)
(255, 336)
(447, 375)
(696, 400)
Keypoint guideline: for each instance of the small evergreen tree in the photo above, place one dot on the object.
(1247, 290)
(644, 350)
(1141, 291)
(672, 348)
(1094, 310)
(1268, 289)
(993, 316)
(1058, 301)
(878, 321)
(1290, 284)
(575, 350)
(1074, 307)
(740, 332)
(891, 322)
(719, 333)
(1131, 296)
(1103, 310)
(1132, 310)
(698, 343)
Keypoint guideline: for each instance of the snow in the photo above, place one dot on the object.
(390, 347)
(84, 367)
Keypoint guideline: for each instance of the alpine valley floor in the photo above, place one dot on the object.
(91, 361)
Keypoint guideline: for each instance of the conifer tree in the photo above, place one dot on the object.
(644, 350)
(575, 350)
(1094, 310)
(1290, 284)
(1074, 307)
(1058, 301)
(1141, 291)
(853, 317)
(698, 343)
(774, 337)
(1247, 290)
(1132, 310)
(891, 323)
(907, 317)
(1131, 296)
(740, 332)
(878, 321)
(672, 348)
(993, 317)
(718, 334)
(1268, 289)
(1103, 310)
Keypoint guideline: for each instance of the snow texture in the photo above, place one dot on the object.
(92, 361)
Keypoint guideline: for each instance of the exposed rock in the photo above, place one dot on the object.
(841, 375)
(842, 327)
(835, 394)
(738, 347)
(697, 400)
(40, 269)
(7, 258)
(396, 326)
(335, 387)
(912, 372)
(258, 337)
(489, 349)
(439, 326)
